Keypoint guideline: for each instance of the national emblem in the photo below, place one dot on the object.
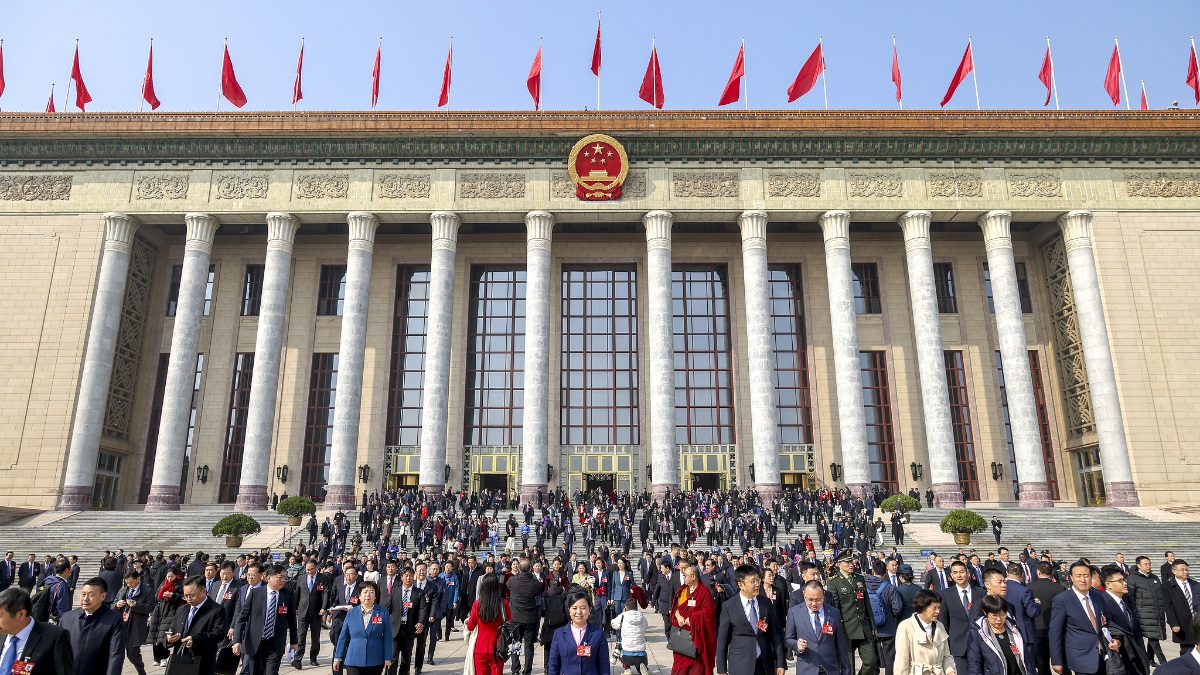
(598, 166)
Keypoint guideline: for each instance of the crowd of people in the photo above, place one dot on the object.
(573, 583)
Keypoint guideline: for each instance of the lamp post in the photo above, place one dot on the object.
(917, 469)
(997, 471)
(202, 473)
(281, 472)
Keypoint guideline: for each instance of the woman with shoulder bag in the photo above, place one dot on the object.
(483, 624)
(170, 598)
(922, 643)
(580, 647)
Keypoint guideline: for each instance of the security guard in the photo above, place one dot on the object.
(849, 592)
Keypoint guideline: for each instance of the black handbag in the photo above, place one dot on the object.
(227, 661)
(183, 662)
(679, 641)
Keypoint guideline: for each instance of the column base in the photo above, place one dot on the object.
(860, 490)
(75, 498)
(529, 493)
(947, 495)
(768, 492)
(251, 498)
(1035, 495)
(431, 490)
(659, 491)
(163, 498)
(1121, 493)
(340, 498)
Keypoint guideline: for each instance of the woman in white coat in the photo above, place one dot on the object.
(922, 643)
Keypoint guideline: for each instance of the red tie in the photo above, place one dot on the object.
(391, 580)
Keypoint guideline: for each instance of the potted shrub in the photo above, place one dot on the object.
(962, 523)
(905, 503)
(295, 508)
(235, 526)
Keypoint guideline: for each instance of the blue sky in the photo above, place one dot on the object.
(494, 44)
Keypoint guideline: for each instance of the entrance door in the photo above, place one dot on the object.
(1091, 477)
(494, 482)
(710, 482)
(607, 482)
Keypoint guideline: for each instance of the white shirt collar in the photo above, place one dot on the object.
(1117, 598)
(1195, 653)
(1080, 596)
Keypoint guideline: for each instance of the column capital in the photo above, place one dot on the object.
(835, 226)
(1076, 228)
(118, 232)
(445, 229)
(915, 226)
(281, 231)
(362, 229)
(658, 229)
(539, 229)
(201, 230)
(996, 232)
(754, 229)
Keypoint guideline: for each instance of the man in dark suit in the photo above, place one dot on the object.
(1123, 624)
(1188, 663)
(343, 592)
(8, 570)
(1023, 608)
(310, 610)
(1182, 596)
(134, 602)
(1044, 588)
(266, 620)
(815, 635)
(958, 609)
(937, 578)
(409, 616)
(997, 527)
(28, 573)
(46, 647)
(96, 631)
(112, 580)
(1077, 620)
(470, 582)
(749, 635)
(224, 592)
(198, 625)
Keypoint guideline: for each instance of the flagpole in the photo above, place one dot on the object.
(745, 86)
(219, 84)
(601, 66)
(70, 80)
(451, 59)
(1121, 63)
(1144, 97)
(1053, 82)
(897, 53)
(824, 89)
(298, 73)
(654, 72)
(379, 53)
(974, 74)
(142, 102)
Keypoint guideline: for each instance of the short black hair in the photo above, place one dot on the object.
(957, 563)
(1045, 568)
(61, 566)
(743, 572)
(133, 574)
(98, 583)
(13, 600)
(194, 581)
(994, 604)
(1079, 563)
(577, 594)
(923, 599)
(1015, 570)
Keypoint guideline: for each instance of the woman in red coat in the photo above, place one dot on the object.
(487, 615)
(695, 610)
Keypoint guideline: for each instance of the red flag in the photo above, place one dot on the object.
(1, 67)
(1193, 76)
(148, 81)
(964, 68)
(651, 90)
(1145, 104)
(375, 76)
(733, 88)
(1046, 75)
(82, 97)
(50, 103)
(807, 77)
(230, 89)
(1112, 79)
(534, 81)
(596, 51)
(444, 97)
(298, 87)
(896, 72)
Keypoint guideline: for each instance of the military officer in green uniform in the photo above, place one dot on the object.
(849, 592)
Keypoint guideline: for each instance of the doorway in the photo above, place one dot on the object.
(1091, 477)
(494, 482)
(709, 482)
(603, 481)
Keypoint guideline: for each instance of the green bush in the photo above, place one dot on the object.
(236, 525)
(963, 521)
(906, 504)
(296, 506)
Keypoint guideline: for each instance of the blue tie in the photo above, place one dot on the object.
(269, 628)
(10, 654)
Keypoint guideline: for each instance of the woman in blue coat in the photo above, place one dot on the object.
(365, 643)
(620, 582)
(580, 647)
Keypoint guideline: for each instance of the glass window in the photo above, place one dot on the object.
(599, 373)
(943, 282)
(881, 441)
(704, 383)
(495, 335)
(235, 436)
(173, 289)
(866, 288)
(409, 331)
(791, 354)
(960, 423)
(331, 293)
(252, 290)
(318, 429)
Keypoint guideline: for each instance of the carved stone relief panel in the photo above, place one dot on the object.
(403, 186)
(876, 184)
(491, 185)
(323, 186)
(705, 184)
(35, 188)
(955, 184)
(161, 186)
(1163, 184)
(242, 185)
(1034, 184)
(794, 184)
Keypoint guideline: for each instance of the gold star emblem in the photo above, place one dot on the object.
(598, 148)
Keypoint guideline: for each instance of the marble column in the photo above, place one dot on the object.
(761, 356)
(351, 353)
(435, 393)
(931, 360)
(268, 349)
(181, 368)
(98, 362)
(856, 470)
(1119, 488)
(664, 460)
(1014, 352)
(535, 433)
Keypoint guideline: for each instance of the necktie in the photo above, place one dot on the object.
(10, 654)
(391, 580)
(894, 582)
(753, 614)
(1091, 615)
(191, 615)
(404, 606)
(816, 622)
(942, 576)
(310, 584)
(1186, 586)
(269, 628)
(967, 601)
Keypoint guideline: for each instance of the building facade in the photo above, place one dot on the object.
(210, 309)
